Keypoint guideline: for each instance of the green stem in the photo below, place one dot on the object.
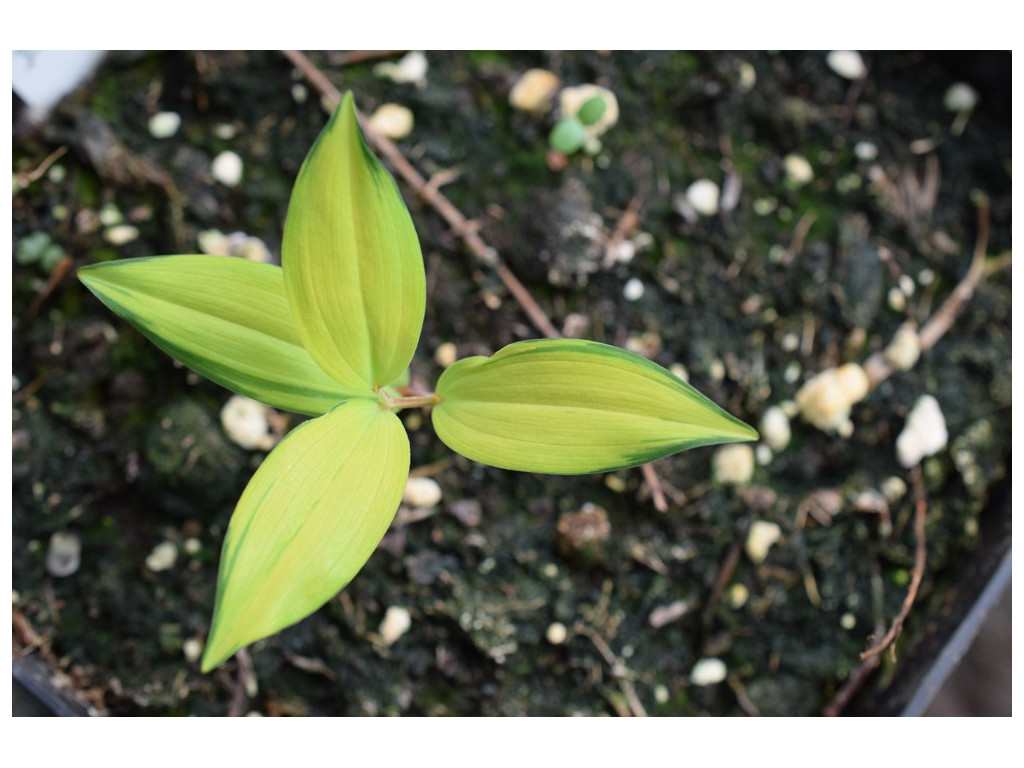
(412, 401)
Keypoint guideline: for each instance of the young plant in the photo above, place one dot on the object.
(326, 334)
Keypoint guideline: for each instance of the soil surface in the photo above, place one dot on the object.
(532, 594)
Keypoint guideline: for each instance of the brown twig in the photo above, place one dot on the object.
(27, 177)
(460, 225)
(920, 558)
(627, 222)
(245, 684)
(878, 368)
(853, 684)
(729, 564)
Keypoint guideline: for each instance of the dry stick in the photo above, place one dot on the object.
(878, 368)
(853, 684)
(458, 223)
(920, 556)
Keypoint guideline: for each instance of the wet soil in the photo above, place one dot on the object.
(117, 444)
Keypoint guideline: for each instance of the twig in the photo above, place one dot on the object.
(57, 275)
(853, 684)
(626, 223)
(431, 195)
(245, 684)
(920, 557)
(878, 368)
(732, 559)
(27, 177)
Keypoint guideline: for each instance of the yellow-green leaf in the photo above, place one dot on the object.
(309, 519)
(228, 319)
(352, 261)
(564, 406)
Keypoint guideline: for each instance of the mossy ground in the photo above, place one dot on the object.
(115, 442)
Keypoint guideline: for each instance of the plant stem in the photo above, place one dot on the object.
(413, 401)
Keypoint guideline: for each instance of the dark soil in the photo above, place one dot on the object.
(117, 444)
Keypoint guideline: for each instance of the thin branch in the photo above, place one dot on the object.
(853, 684)
(878, 368)
(920, 558)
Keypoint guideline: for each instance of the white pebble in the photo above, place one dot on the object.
(798, 170)
(865, 151)
(227, 168)
(825, 401)
(762, 535)
(192, 546)
(446, 354)
(557, 633)
(411, 68)
(245, 423)
(733, 464)
(110, 215)
(763, 454)
(748, 77)
(396, 623)
(679, 371)
(64, 555)
(702, 196)
(708, 672)
(775, 428)
(894, 488)
(897, 300)
(122, 234)
(392, 120)
(904, 349)
(163, 557)
(924, 433)
(661, 694)
(960, 97)
(192, 648)
(847, 64)
(534, 91)
(422, 492)
(163, 125)
(906, 283)
(848, 621)
(738, 595)
(213, 242)
(633, 290)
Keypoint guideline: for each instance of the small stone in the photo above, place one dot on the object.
(666, 614)
(747, 77)
(897, 300)
(661, 694)
(893, 489)
(825, 401)
(733, 464)
(300, 93)
(122, 234)
(848, 621)
(163, 557)
(570, 100)
(865, 151)
(397, 621)
(960, 97)
(225, 131)
(924, 434)
(763, 454)
(227, 168)
(192, 648)
(446, 354)
(163, 125)
(633, 290)
(775, 428)
(393, 121)
(245, 423)
(192, 546)
(708, 672)
(716, 370)
(906, 283)
(110, 215)
(798, 170)
(64, 554)
(534, 91)
(557, 633)
(702, 196)
(738, 595)
(213, 242)
(469, 512)
(904, 349)
(411, 68)
(423, 492)
(762, 535)
(679, 371)
(847, 64)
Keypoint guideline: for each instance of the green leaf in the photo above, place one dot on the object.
(567, 136)
(352, 263)
(564, 406)
(593, 109)
(309, 519)
(228, 319)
